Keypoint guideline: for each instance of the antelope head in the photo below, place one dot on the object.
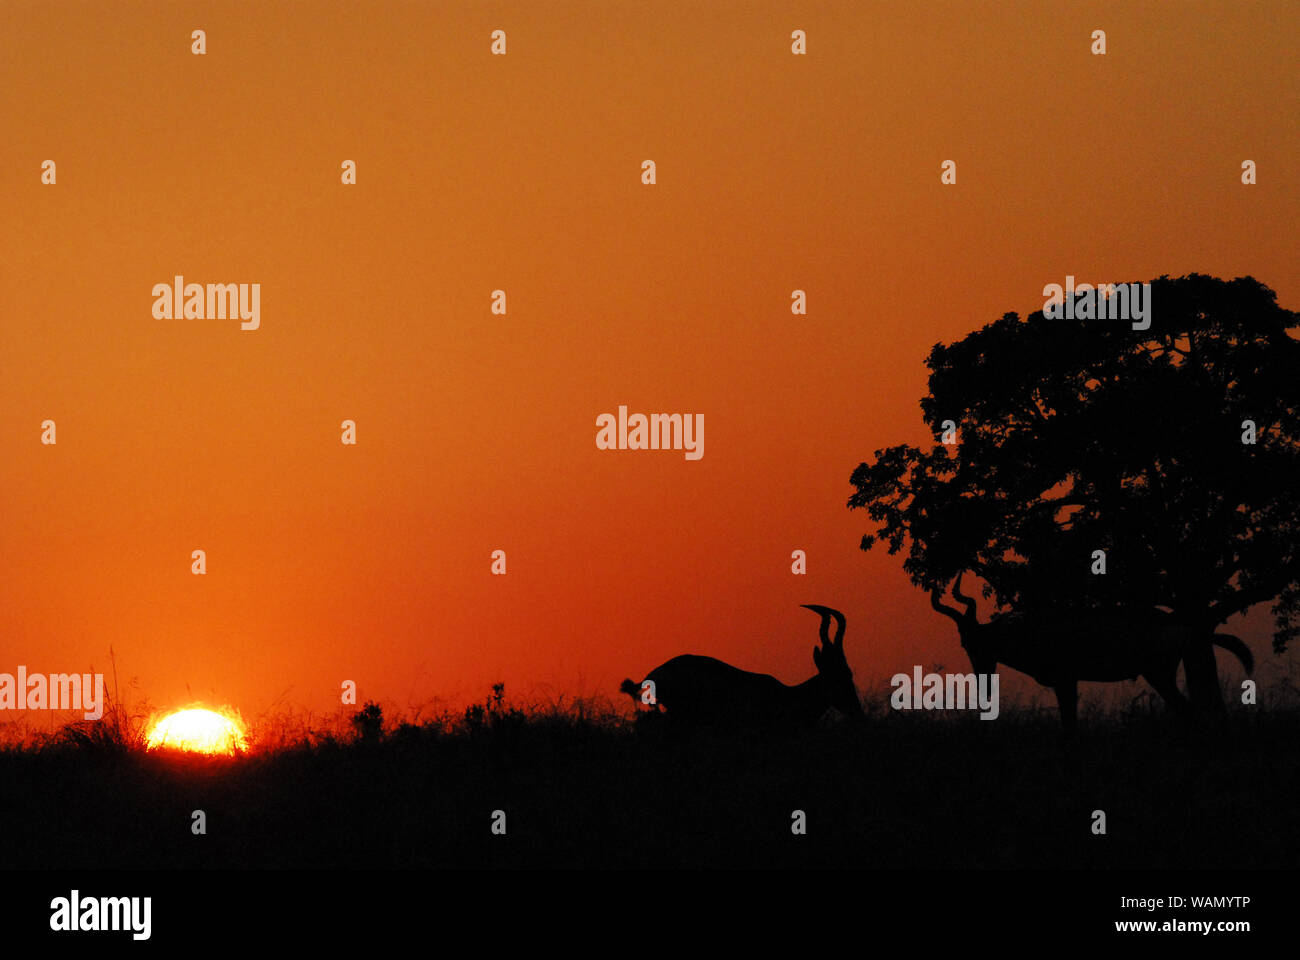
(982, 659)
(832, 669)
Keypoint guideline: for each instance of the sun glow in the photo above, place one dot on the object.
(199, 731)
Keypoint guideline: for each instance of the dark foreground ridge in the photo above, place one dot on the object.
(894, 791)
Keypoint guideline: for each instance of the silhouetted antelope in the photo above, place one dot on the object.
(1059, 651)
(701, 691)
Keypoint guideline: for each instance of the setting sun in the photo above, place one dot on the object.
(199, 731)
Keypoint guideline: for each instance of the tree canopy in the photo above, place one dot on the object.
(1075, 435)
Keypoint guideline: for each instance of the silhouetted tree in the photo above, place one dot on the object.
(1084, 434)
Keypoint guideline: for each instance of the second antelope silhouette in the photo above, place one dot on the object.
(700, 691)
(1060, 651)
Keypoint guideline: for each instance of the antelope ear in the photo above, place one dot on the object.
(817, 657)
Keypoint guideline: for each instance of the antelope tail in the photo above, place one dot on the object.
(1238, 649)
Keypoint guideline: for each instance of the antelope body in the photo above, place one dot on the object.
(1060, 650)
(698, 691)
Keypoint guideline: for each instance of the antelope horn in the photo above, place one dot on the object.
(826, 614)
(965, 600)
(951, 613)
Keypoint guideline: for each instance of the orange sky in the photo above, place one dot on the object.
(476, 432)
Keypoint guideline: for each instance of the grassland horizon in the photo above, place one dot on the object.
(584, 783)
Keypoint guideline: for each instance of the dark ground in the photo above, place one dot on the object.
(897, 791)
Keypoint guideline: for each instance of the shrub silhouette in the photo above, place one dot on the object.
(368, 722)
(493, 715)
